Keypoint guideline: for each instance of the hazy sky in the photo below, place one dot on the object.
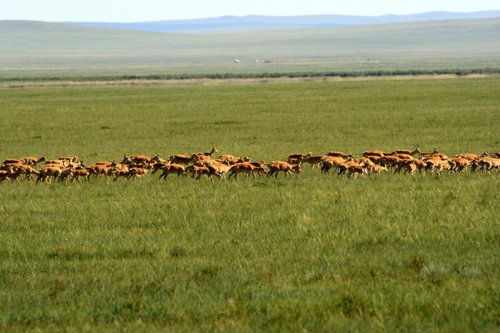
(149, 10)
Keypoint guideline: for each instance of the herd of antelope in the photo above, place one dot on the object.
(202, 164)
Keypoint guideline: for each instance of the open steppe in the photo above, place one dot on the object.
(41, 50)
(308, 253)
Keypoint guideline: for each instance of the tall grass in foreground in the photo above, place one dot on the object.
(315, 252)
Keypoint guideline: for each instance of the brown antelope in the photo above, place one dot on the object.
(406, 157)
(230, 159)
(65, 173)
(32, 161)
(374, 158)
(480, 162)
(120, 173)
(69, 159)
(242, 167)
(331, 162)
(405, 152)
(218, 169)
(126, 160)
(390, 161)
(101, 169)
(199, 171)
(295, 158)
(366, 163)
(260, 167)
(407, 165)
(421, 165)
(119, 170)
(312, 160)
(200, 159)
(377, 169)
(299, 156)
(80, 172)
(132, 172)
(25, 169)
(436, 165)
(339, 154)
(438, 155)
(169, 168)
(157, 166)
(344, 167)
(122, 170)
(180, 159)
(494, 163)
(368, 153)
(15, 174)
(423, 155)
(459, 164)
(137, 172)
(488, 163)
(157, 159)
(356, 170)
(54, 163)
(48, 172)
(468, 156)
(5, 173)
(209, 154)
(276, 166)
(138, 159)
(106, 163)
(11, 161)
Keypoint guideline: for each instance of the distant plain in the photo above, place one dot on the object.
(37, 49)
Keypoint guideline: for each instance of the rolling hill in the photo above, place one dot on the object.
(34, 49)
(256, 22)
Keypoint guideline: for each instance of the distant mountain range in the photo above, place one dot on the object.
(256, 23)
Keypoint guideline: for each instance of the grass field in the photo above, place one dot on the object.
(311, 253)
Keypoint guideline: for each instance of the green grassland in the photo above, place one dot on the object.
(36, 49)
(312, 253)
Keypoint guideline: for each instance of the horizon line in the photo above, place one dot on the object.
(252, 15)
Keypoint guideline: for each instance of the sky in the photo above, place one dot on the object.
(153, 10)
